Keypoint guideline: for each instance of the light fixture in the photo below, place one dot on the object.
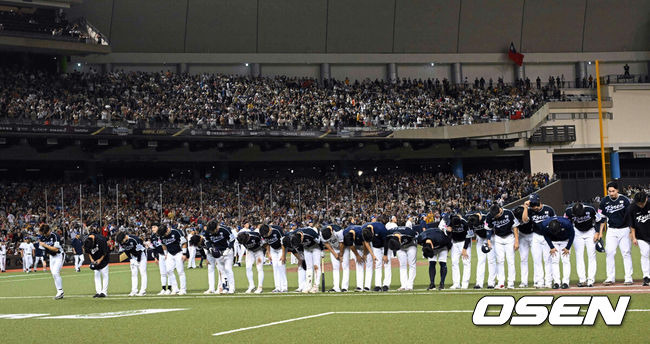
(360, 173)
(246, 64)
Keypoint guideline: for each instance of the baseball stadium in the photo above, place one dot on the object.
(324, 171)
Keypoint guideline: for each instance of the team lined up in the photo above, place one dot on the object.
(533, 228)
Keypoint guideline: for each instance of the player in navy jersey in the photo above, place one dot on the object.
(39, 256)
(218, 242)
(374, 237)
(78, 251)
(175, 248)
(159, 258)
(503, 227)
(254, 244)
(614, 207)
(297, 253)
(401, 241)
(584, 219)
(536, 212)
(638, 218)
(461, 239)
(559, 234)
(276, 253)
(353, 242)
(51, 243)
(525, 231)
(97, 249)
(476, 222)
(435, 245)
(309, 239)
(134, 249)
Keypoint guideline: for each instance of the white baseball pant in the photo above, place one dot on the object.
(279, 270)
(78, 261)
(139, 266)
(56, 262)
(162, 267)
(644, 247)
(582, 241)
(256, 257)
(312, 262)
(456, 252)
(541, 261)
(27, 262)
(191, 262)
(336, 268)
(618, 237)
(505, 252)
(379, 263)
(491, 258)
(407, 256)
(101, 280)
(566, 263)
(525, 246)
(175, 262)
(363, 278)
(39, 259)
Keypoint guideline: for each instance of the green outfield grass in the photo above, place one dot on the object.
(205, 315)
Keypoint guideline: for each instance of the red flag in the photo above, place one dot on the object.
(516, 57)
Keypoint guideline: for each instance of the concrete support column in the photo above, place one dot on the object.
(541, 161)
(182, 68)
(325, 72)
(391, 70)
(107, 68)
(457, 168)
(581, 73)
(520, 72)
(255, 69)
(456, 73)
(615, 165)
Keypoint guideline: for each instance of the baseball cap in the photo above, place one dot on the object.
(533, 198)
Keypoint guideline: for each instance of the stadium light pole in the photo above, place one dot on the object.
(117, 205)
(600, 125)
(81, 214)
(62, 210)
(100, 207)
(239, 203)
(160, 194)
(201, 197)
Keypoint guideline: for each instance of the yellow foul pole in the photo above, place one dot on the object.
(600, 125)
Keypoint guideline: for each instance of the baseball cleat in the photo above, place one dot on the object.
(523, 285)
(258, 290)
(358, 289)
(628, 282)
(608, 283)
(490, 286)
(454, 287)
(344, 290)
(182, 292)
(209, 291)
(133, 293)
(581, 284)
(59, 295)
(556, 286)
(477, 287)
(142, 293)
(100, 295)
(565, 286)
(250, 290)
(162, 292)
(314, 290)
(646, 281)
(168, 292)
(500, 286)
(366, 289)
(376, 289)
(511, 286)
(384, 288)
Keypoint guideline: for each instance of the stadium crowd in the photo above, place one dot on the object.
(186, 204)
(41, 22)
(217, 101)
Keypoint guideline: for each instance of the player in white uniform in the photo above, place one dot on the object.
(3, 256)
(133, 247)
(332, 239)
(277, 253)
(159, 258)
(27, 253)
(51, 243)
(191, 263)
(175, 247)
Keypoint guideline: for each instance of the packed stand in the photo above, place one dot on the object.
(42, 22)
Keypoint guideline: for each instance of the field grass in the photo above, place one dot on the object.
(449, 319)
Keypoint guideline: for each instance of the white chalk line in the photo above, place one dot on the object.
(368, 312)
(49, 276)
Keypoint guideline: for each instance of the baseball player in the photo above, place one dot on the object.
(159, 258)
(374, 237)
(38, 257)
(309, 239)
(51, 243)
(97, 249)
(348, 251)
(525, 231)
(401, 241)
(27, 254)
(77, 249)
(461, 239)
(614, 207)
(332, 238)
(476, 222)
(219, 242)
(435, 245)
(559, 234)
(276, 252)
(353, 241)
(191, 262)
(134, 249)
(584, 219)
(537, 212)
(638, 216)
(503, 224)
(3, 256)
(300, 259)
(254, 245)
(174, 248)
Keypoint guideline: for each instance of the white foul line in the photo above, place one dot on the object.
(369, 312)
(271, 324)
